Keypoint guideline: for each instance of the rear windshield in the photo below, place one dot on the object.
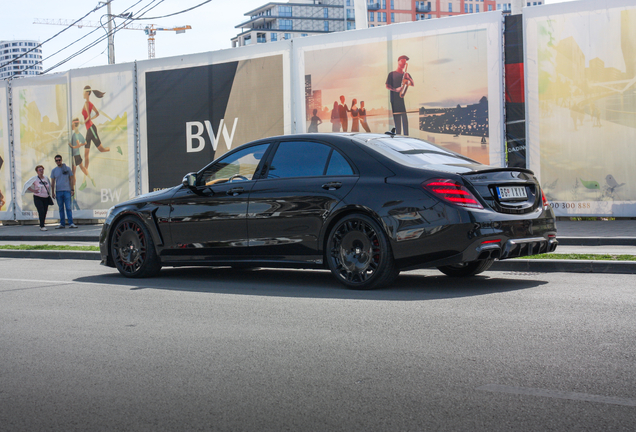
(416, 153)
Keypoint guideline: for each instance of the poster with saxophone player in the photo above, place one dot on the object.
(581, 93)
(5, 171)
(427, 80)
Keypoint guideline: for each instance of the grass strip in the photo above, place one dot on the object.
(589, 257)
(50, 247)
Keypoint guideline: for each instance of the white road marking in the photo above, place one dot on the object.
(557, 394)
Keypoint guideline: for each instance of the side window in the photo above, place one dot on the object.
(338, 165)
(239, 166)
(299, 159)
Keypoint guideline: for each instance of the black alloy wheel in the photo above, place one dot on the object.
(466, 269)
(359, 254)
(133, 250)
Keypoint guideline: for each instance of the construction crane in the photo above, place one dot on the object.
(150, 30)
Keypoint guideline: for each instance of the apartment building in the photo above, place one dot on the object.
(11, 64)
(279, 21)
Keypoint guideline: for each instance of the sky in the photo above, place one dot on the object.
(213, 26)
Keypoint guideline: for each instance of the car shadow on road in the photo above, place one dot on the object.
(421, 285)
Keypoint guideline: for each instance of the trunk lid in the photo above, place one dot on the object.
(506, 190)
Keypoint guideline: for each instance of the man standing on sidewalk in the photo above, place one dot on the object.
(61, 186)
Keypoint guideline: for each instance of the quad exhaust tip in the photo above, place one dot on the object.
(492, 249)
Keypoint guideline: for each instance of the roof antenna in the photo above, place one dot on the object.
(392, 133)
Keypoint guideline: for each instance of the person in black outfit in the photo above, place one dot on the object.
(394, 83)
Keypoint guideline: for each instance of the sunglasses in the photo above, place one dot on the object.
(58, 160)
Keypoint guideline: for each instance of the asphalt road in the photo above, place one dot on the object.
(82, 348)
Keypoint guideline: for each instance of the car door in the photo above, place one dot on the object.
(209, 219)
(304, 182)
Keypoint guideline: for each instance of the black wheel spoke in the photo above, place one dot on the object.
(129, 246)
(355, 250)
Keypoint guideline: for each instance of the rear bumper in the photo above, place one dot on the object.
(486, 236)
(519, 247)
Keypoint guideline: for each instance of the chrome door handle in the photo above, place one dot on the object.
(332, 185)
(235, 191)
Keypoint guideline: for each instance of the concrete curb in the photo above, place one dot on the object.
(519, 265)
(597, 241)
(568, 266)
(50, 254)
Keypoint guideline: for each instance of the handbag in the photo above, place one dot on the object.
(49, 201)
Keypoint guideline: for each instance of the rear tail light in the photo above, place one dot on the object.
(545, 200)
(453, 192)
(486, 242)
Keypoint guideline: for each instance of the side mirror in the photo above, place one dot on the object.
(189, 180)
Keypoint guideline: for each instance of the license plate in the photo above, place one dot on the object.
(511, 192)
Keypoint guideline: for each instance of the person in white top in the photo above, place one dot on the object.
(40, 186)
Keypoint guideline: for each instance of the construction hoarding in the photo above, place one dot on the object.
(134, 128)
(581, 102)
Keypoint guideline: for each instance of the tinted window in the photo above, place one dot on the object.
(241, 164)
(338, 165)
(299, 159)
(417, 153)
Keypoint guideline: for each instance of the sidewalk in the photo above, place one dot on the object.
(83, 235)
(596, 233)
(575, 237)
(32, 233)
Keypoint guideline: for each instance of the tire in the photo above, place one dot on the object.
(466, 269)
(359, 255)
(133, 250)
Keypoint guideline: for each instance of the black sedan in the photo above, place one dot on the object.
(365, 206)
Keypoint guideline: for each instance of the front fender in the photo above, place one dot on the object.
(145, 213)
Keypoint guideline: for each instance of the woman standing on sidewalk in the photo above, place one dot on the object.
(40, 186)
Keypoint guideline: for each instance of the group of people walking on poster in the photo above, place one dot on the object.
(340, 116)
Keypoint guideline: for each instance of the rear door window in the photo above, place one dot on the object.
(338, 165)
(299, 159)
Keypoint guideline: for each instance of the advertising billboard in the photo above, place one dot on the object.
(581, 92)
(87, 117)
(101, 138)
(5, 167)
(434, 80)
(40, 131)
(192, 115)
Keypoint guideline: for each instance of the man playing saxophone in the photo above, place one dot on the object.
(397, 82)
